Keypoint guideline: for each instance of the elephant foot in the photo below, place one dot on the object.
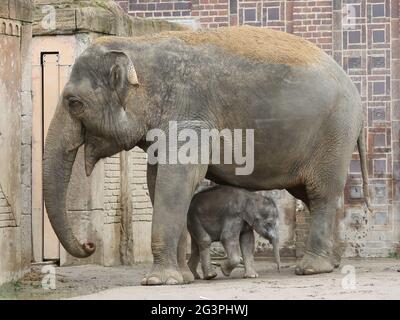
(313, 264)
(195, 274)
(163, 275)
(210, 273)
(250, 274)
(227, 268)
(336, 262)
(337, 256)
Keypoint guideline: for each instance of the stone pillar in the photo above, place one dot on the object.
(15, 142)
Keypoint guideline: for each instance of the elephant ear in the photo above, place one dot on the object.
(122, 71)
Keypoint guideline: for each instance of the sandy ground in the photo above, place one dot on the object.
(372, 279)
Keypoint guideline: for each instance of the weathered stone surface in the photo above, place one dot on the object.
(10, 249)
(26, 242)
(4, 12)
(26, 58)
(100, 16)
(21, 10)
(111, 240)
(10, 123)
(15, 155)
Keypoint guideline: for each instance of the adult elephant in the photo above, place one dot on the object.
(306, 115)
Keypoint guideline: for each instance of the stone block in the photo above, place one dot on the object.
(26, 60)
(111, 242)
(4, 9)
(21, 10)
(65, 22)
(26, 241)
(26, 200)
(26, 103)
(10, 249)
(26, 130)
(142, 241)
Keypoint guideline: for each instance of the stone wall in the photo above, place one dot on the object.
(15, 123)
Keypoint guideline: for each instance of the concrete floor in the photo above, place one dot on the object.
(368, 279)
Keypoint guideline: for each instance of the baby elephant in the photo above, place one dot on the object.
(229, 215)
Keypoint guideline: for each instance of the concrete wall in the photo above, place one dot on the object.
(15, 123)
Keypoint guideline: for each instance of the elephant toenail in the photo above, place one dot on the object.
(172, 281)
(152, 281)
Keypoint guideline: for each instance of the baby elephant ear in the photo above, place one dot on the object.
(122, 70)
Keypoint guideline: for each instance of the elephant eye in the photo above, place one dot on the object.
(75, 106)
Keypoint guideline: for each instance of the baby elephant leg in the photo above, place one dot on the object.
(208, 269)
(201, 243)
(231, 246)
(194, 259)
(247, 247)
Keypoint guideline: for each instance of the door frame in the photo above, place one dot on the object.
(64, 46)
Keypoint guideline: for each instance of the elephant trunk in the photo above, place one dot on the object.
(64, 137)
(275, 245)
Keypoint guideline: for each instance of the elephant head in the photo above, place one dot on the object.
(266, 223)
(97, 108)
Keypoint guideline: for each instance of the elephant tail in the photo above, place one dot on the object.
(364, 169)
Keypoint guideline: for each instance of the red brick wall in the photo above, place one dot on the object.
(211, 13)
(157, 9)
(363, 37)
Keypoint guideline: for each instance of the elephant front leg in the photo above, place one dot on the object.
(247, 246)
(174, 187)
(318, 255)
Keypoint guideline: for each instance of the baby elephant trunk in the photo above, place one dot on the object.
(275, 245)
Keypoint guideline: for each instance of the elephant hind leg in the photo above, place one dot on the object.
(323, 201)
(194, 259)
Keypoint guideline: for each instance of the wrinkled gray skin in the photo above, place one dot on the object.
(229, 215)
(307, 121)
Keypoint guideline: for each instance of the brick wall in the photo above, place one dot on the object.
(112, 189)
(141, 206)
(363, 37)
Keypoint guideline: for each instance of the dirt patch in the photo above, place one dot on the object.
(260, 44)
(374, 279)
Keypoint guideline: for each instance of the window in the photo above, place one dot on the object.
(354, 62)
(378, 62)
(378, 36)
(273, 14)
(378, 10)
